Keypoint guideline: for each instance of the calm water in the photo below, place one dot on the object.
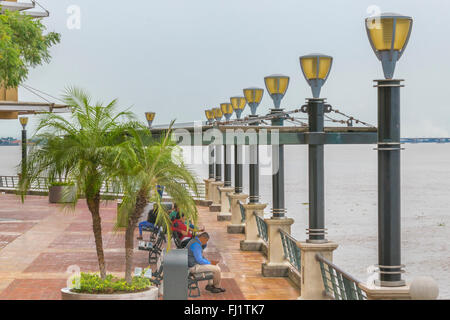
(351, 204)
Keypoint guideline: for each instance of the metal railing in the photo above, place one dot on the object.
(42, 184)
(241, 207)
(262, 228)
(338, 284)
(292, 252)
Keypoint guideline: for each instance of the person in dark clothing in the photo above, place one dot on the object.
(150, 222)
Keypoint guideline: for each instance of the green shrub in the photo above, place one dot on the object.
(94, 284)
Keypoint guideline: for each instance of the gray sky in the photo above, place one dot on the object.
(179, 57)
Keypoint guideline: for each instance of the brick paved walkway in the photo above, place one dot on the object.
(39, 242)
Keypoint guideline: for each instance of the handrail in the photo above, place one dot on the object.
(340, 285)
(292, 252)
(262, 228)
(241, 207)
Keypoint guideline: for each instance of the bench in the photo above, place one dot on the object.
(154, 249)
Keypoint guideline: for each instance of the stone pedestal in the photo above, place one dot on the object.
(276, 265)
(386, 293)
(225, 212)
(236, 226)
(215, 207)
(252, 242)
(312, 287)
(208, 189)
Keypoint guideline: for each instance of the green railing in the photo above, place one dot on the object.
(338, 284)
(291, 250)
(41, 184)
(262, 228)
(241, 207)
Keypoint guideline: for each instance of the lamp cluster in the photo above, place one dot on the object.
(388, 35)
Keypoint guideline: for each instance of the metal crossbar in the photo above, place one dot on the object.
(262, 228)
(338, 284)
(291, 250)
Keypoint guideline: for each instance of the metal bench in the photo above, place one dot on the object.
(154, 249)
(194, 278)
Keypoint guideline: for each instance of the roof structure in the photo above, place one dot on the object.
(26, 7)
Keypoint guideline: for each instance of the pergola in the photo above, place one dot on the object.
(13, 5)
(13, 109)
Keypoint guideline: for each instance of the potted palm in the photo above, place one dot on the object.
(142, 169)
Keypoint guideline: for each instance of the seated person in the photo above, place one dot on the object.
(180, 226)
(150, 222)
(198, 263)
(175, 214)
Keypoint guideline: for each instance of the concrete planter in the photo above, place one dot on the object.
(56, 194)
(151, 294)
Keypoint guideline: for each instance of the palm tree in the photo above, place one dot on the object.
(79, 149)
(141, 168)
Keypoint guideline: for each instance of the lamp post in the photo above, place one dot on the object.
(218, 116)
(227, 110)
(150, 116)
(254, 97)
(210, 117)
(316, 68)
(388, 35)
(277, 86)
(24, 122)
(238, 104)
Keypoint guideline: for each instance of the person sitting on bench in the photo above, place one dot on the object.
(197, 263)
(181, 227)
(150, 222)
(175, 214)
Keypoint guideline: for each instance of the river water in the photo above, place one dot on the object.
(351, 204)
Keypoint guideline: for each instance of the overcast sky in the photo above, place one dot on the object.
(179, 57)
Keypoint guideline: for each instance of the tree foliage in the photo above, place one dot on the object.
(23, 45)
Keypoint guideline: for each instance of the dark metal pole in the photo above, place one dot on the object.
(389, 194)
(278, 210)
(254, 168)
(238, 170)
(219, 163)
(227, 160)
(316, 231)
(24, 151)
(211, 162)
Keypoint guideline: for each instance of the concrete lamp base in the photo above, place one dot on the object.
(252, 242)
(276, 266)
(225, 214)
(386, 293)
(236, 226)
(215, 192)
(312, 287)
(208, 189)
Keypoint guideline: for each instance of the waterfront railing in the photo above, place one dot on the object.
(292, 252)
(262, 228)
(339, 285)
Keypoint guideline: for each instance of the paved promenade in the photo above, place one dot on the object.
(39, 243)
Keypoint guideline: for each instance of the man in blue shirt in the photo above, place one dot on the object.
(198, 263)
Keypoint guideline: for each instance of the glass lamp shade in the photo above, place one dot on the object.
(389, 35)
(238, 104)
(254, 97)
(209, 115)
(218, 114)
(277, 86)
(227, 110)
(316, 69)
(23, 121)
(150, 116)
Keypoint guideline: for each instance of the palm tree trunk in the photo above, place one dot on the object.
(141, 202)
(94, 208)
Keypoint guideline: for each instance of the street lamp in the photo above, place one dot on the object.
(218, 114)
(150, 118)
(389, 35)
(253, 97)
(24, 121)
(238, 104)
(277, 86)
(227, 110)
(210, 116)
(316, 68)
